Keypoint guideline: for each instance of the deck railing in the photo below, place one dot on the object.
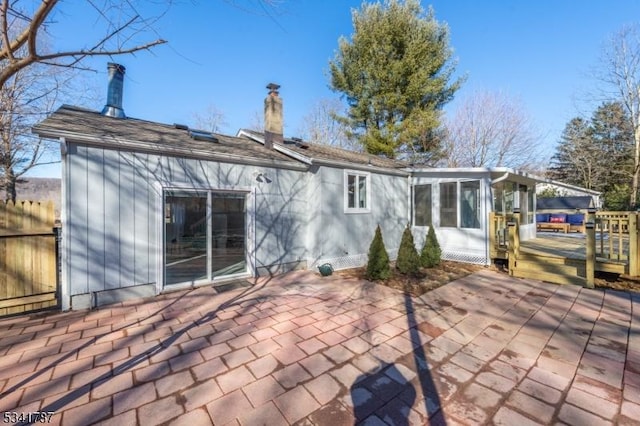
(610, 236)
(498, 234)
(616, 236)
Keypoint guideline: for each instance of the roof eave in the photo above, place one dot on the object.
(166, 149)
(324, 162)
(361, 167)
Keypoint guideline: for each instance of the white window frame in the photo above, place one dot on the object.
(345, 186)
(456, 201)
(478, 206)
(415, 207)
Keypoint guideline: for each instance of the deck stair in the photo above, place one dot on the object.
(549, 267)
(610, 243)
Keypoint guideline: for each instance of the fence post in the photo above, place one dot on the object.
(493, 247)
(516, 217)
(514, 242)
(590, 260)
(633, 244)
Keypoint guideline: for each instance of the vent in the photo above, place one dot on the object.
(200, 135)
(180, 126)
(113, 108)
(297, 142)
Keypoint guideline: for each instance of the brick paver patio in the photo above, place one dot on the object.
(301, 349)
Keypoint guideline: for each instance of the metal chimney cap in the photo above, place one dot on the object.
(118, 67)
(113, 106)
(273, 87)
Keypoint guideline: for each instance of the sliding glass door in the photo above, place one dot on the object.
(204, 235)
(228, 234)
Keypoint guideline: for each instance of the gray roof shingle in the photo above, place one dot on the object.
(330, 153)
(92, 127)
(89, 126)
(564, 203)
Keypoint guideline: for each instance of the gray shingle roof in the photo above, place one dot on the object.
(82, 125)
(564, 203)
(92, 127)
(330, 153)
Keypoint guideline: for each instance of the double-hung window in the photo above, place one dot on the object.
(470, 204)
(448, 204)
(357, 192)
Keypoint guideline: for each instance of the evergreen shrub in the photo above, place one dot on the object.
(378, 263)
(431, 253)
(408, 261)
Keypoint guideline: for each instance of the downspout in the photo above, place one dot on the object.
(65, 298)
(488, 199)
(409, 200)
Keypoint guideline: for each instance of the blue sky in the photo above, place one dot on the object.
(224, 55)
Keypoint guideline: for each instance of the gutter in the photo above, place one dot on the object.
(501, 178)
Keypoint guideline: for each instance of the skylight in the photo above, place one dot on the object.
(201, 135)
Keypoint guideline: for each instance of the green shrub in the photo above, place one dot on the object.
(378, 264)
(408, 261)
(431, 253)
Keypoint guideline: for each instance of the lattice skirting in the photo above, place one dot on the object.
(357, 260)
(351, 261)
(465, 257)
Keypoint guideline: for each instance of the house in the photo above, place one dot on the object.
(457, 202)
(567, 204)
(150, 207)
(567, 190)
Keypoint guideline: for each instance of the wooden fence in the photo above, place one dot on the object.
(28, 278)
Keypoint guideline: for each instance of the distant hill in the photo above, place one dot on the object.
(40, 189)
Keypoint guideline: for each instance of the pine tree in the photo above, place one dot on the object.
(431, 252)
(408, 261)
(378, 264)
(396, 73)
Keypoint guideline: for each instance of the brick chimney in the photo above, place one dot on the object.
(113, 108)
(272, 117)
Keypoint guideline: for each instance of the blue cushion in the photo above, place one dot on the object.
(575, 219)
(542, 217)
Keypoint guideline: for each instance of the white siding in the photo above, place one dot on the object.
(343, 239)
(461, 244)
(112, 233)
(142, 228)
(77, 232)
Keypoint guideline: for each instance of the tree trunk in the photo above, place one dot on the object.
(636, 170)
(10, 185)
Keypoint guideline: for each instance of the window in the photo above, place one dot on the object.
(205, 235)
(448, 205)
(530, 203)
(470, 204)
(422, 205)
(356, 192)
(524, 206)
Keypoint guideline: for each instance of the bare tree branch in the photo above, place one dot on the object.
(211, 120)
(32, 24)
(619, 77)
(490, 129)
(322, 127)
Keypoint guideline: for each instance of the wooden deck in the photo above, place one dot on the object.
(574, 247)
(610, 243)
